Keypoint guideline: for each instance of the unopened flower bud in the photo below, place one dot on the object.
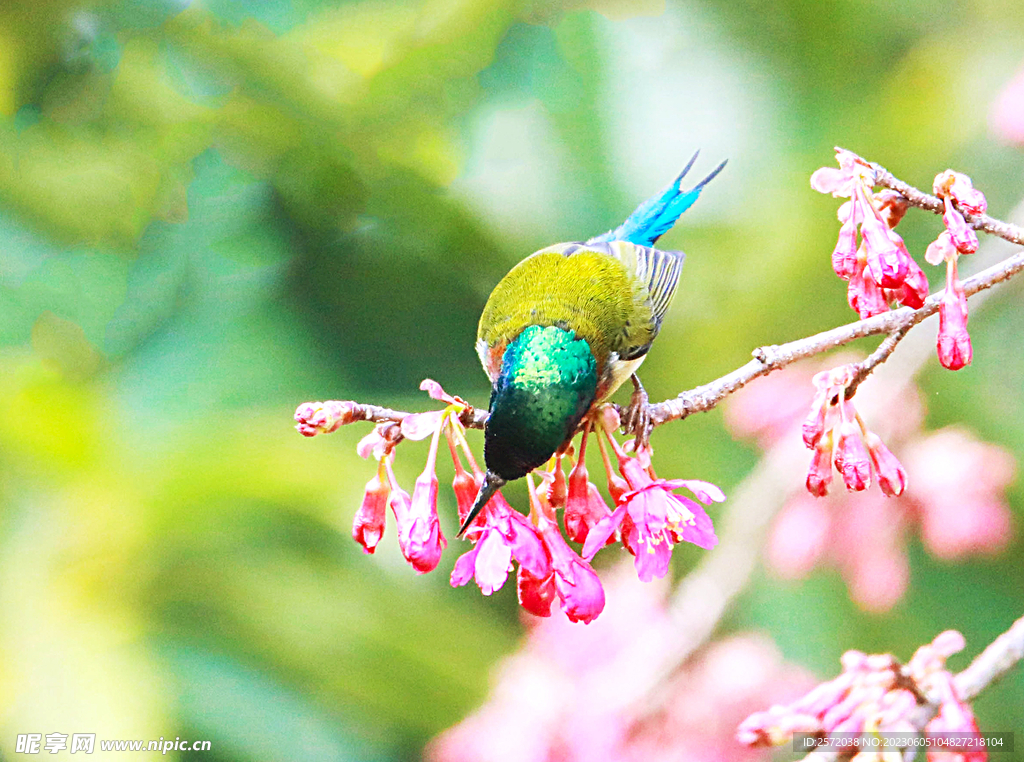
(954, 343)
(844, 256)
(368, 526)
(819, 475)
(958, 186)
(892, 478)
(887, 267)
(914, 290)
(961, 234)
(314, 418)
(851, 458)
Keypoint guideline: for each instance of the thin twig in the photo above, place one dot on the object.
(1001, 655)
(1005, 230)
(863, 369)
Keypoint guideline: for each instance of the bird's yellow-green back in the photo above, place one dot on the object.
(612, 295)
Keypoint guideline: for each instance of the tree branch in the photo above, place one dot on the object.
(774, 357)
(922, 200)
(767, 359)
(1001, 655)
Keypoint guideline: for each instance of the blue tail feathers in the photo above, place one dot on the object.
(653, 218)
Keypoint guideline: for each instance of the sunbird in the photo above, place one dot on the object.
(566, 327)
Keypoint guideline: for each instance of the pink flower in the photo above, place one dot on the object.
(843, 182)
(958, 491)
(323, 417)
(873, 694)
(658, 519)
(368, 526)
(800, 537)
(584, 505)
(568, 693)
(865, 295)
(878, 269)
(954, 716)
(961, 235)
(940, 250)
(1007, 118)
(914, 290)
(819, 475)
(887, 264)
(852, 458)
(575, 583)
(419, 531)
(844, 256)
(958, 186)
(506, 534)
(954, 343)
(892, 478)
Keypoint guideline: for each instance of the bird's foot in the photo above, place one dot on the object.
(636, 420)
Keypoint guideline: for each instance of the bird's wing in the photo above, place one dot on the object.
(656, 270)
(656, 276)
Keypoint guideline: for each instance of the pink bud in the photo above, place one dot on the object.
(323, 417)
(887, 267)
(914, 290)
(584, 506)
(368, 526)
(865, 295)
(852, 458)
(419, 531)
(954, 343)
(536, 594)
(814, 425)
(819, 475)
(557, 490)
(892, 478)
(958, 186)
(420, 536)
(961, 235)
(844, 256)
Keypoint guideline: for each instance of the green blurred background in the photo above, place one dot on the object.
(211, 212)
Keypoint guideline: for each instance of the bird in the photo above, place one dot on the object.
(566, 327)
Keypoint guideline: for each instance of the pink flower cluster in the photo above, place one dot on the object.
(956, 500)
(878, 267)
(570, 694)
(649, 518)
(954, 343)
(874, 694)
(837, 435)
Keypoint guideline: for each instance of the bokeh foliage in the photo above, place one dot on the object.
(212, 211)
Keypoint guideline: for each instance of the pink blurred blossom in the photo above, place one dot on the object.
(874, 693)
(1008, 112)
(954, 496)
(566, 694)
(959, 492)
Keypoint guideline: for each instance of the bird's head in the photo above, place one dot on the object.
(548, 381)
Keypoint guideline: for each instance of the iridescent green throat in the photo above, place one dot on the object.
(547, 383)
